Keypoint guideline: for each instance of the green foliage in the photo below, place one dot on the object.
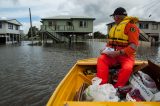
(34, 31)
(99, 35)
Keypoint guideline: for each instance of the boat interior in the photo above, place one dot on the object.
(70, 91)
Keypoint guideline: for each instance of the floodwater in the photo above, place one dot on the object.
(29, 74)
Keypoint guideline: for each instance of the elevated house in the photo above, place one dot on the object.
(9, 30)
(65, 28)
(149, 30)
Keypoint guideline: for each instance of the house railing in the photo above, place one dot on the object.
(57, 28)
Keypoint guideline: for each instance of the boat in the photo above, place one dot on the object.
(69, 91)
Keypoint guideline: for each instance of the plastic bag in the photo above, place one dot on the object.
(156, 97)
(91, 91)
(97, 92)
(107, 49)
(122, 91)
(137, 83)
(134, 95)
(148, 82)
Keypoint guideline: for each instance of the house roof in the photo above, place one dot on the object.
(13, 21)
(67, 17)
(148, 20)
(140, 20)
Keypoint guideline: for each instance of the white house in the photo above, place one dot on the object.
(151, 28)
(9, 30)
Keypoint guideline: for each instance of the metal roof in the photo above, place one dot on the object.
(147, 20)
(13, 21)
(68, 17)
(140, 20)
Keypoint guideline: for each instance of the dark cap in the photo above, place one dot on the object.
(119, 11)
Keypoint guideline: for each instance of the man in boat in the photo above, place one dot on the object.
(123, 38)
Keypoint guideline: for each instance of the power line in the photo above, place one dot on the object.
(148, 7)
(148, 4)
(151, 8)
(153, 5)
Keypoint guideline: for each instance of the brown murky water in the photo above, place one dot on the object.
(29, 74)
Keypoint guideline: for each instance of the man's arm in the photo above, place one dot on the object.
(133, 37)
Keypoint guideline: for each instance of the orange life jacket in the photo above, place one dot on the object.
(117, 37)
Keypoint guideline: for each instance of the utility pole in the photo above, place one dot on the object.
(31, 25)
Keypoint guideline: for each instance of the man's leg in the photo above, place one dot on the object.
(103, 64)
(125, 71)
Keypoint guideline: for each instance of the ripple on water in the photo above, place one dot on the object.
(29, 74)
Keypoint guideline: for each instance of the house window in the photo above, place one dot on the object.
(83, 24)
(49, 23)
(10, 26)
(16, 27)
(143, 25)
(54, 23)
(154, 26)
(0, 25)
(69, 23)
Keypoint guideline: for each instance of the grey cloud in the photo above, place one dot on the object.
(15, 1)
(97, 9)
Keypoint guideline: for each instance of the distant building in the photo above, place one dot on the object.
(150, 30)
(9, 30)
(61, 28)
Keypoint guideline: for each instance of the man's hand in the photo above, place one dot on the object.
(101, 51)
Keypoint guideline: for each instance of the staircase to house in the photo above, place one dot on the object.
(52, 35)
(143, 36)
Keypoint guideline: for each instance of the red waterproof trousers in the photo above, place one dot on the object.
(104, 62)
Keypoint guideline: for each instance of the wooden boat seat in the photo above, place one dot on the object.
(79, 95)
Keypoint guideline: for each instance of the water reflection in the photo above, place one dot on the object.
(29, 74)
(149, 53)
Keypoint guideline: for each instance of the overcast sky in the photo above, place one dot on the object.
(99, 9)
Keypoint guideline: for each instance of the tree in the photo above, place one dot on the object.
(34, 31)
(99, 35)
